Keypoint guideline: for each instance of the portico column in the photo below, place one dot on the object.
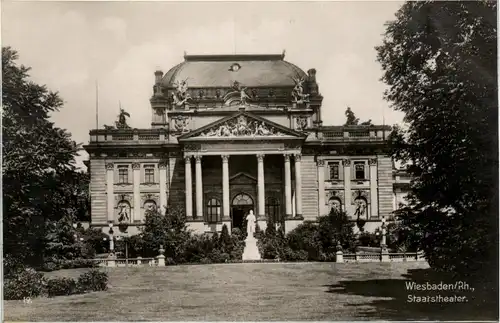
(225, 187)
(373, 188)
(321, 187)
(347, 186)
(110, 168)
(298, 186)
(199, 189)
(136, 167)
(261, 188)
(188, 188)
(288, 187)
(163, 186)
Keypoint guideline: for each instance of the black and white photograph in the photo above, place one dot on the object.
(249, 161)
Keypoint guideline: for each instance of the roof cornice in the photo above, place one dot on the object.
(235, 57)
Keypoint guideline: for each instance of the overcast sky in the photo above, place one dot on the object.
(70, 45)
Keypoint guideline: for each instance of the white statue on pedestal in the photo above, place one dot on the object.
(250, 224)
(251, 251)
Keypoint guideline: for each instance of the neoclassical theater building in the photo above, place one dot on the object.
(234, 133)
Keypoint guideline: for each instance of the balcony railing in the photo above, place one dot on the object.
(128, 135)
(355, 133)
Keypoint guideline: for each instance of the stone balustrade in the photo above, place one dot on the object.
(117, 136)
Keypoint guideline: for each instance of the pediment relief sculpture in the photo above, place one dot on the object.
(242, 126)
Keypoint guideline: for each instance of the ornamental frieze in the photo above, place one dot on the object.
(337, 194)
(242, 126)
(150, 197)
(360, 194)
(123, 197)
(192, 147)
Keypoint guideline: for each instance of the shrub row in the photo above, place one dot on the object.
(30, 283)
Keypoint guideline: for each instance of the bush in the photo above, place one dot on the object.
(92, 281)
(367, 239)
(335, 227)
(61, 286)
(304, 238)
(12, 266)
(26, 283)
(56, 264)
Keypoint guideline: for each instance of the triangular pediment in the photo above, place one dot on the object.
(243, 125)
(242, 178)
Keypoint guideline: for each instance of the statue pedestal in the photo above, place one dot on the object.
(251, 252)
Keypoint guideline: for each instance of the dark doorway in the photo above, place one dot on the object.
(238, 217)
(241, 206)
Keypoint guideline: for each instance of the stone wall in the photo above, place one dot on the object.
(385, 186)
(98, 191)
(309, 172)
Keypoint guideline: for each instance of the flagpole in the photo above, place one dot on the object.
(96, 105)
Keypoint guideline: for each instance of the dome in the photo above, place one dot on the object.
(221, 71)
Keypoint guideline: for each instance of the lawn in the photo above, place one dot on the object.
(249, 292)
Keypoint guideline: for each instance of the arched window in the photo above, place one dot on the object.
(361, 208)
(334, 203)
(273, 209)
(242, 199)
(123, 211)
(213, 210)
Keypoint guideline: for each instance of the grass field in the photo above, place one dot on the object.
(250, 292)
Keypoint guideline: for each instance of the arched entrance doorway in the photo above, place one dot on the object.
(240, 206)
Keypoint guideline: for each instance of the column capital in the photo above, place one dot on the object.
(187, 159)
(297, 157)
(260, 157)
(162, 165)
(136, 166)
(373, 161)
(198, 159)
(110, 166)
(346, 162)
(321, 162)
(287, 157)
(225, 158)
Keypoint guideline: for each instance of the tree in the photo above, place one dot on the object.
(37, 158)
(169, 230)
(440, 63)
(333, 228)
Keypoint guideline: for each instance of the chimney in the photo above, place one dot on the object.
(158, 76)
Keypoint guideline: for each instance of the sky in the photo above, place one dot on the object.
(71, 46)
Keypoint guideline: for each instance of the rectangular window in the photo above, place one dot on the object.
(334, 171)
(123, 174)
(359, 170)
(149, 173)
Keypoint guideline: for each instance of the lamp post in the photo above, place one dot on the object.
(383, 244)
(111, 242)
(384, 253)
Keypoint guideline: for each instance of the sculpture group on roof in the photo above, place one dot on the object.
(243, 94)
(122, 121)
(242, 127)
(181, 95)
(298, 94)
